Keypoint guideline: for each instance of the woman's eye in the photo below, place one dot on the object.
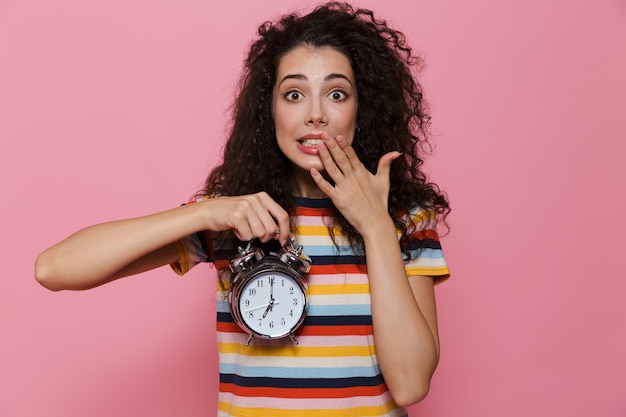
(293, 96)
(338, 95)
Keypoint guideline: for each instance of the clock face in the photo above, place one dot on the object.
(272, 303)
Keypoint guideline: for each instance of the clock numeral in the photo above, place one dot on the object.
(271, 324)
(252, 291)
(259, 283)
(295, 301)
(251, 314)
(282, 321)
(272, 280)
(291, 313)
(260, 321)
(247, 303)
(291, 290)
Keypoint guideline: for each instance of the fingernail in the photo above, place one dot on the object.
(339, 139)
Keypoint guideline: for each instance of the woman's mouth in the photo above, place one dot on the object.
(310, 143)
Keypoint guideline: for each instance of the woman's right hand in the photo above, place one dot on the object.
(248, 216)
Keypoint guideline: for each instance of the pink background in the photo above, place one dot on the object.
(112, 109)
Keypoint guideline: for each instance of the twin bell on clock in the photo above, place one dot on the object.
(269, 296)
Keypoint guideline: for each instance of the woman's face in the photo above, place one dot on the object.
(315, 92)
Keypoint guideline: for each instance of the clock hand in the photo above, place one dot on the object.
(258, 307)
(271, 289)
(269, 307)
(271, 303)
(255, 307)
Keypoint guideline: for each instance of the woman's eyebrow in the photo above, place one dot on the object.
(292, 77)
(337, 75)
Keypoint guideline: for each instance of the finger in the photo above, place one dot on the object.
(322, 184)
(255, 222)
(283, 227)
(277, 219)
(384, 164)
(349, 152)
(337, 152)
(328, 159)
(249, 218)
(241, 227)
(263, 226)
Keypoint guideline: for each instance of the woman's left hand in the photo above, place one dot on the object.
(362, 197)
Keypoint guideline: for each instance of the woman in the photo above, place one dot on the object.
(323, 150)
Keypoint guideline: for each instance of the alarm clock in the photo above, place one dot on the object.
(268, 296)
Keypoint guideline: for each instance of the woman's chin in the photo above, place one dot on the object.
(306, 164)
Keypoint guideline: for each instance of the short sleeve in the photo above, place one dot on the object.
(422, 249)
(192, 250)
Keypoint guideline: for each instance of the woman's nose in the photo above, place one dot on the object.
(316, 115)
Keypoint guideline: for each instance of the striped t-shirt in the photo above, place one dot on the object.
(333, 370)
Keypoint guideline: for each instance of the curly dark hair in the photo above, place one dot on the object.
(392, 115)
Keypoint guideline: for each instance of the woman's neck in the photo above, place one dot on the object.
(304, 186)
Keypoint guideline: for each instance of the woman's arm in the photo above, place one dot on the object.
(104, 252)
(403, 309)
(404, 317)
